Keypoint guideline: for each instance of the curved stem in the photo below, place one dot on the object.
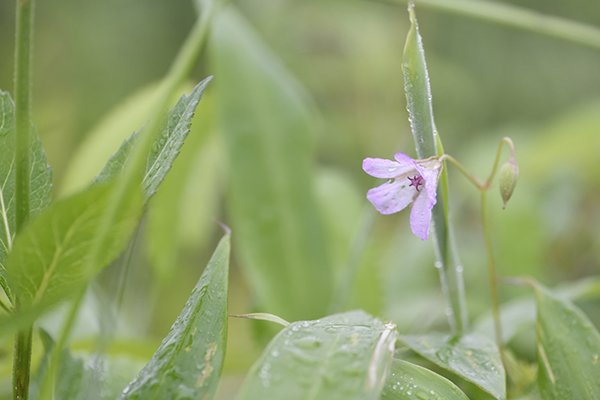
(462, 170)
(23, 49)
(505, 141)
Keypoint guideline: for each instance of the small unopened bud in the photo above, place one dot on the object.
(508, 176)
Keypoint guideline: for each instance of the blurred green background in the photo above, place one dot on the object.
(488, 81)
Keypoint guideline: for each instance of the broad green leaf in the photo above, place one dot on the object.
(428, 143)
(343, 356)
(166, 147)
(411, 382)
(40, 185)
(473, 357)
(269, 144)
(188, 363)
(49, 257)
(568, 350)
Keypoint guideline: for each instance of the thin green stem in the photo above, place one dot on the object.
(516, 17)
(23, 50)
(505, 141)
(492, 271)
(462, 170)
(22, 365)
(132, 174)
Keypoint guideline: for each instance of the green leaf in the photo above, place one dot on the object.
(188, 363)
(520, 314)
(165, 148)
(568, 350)
(85, 376)
(110, 132)
(40, 185)
(343, 356)
(473, 357)
(73, 378)
(46, 264)
(269, 142)
(411, 382)
(428, 143)
(182, 214)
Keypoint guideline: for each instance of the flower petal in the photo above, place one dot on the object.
(391, 197)
(420, 216)
(430, 175)
(386, 169)
(405, 160)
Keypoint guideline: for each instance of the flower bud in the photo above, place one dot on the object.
(508, 176)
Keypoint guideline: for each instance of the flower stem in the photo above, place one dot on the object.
(483, 189)
(505, 141)
(23, 49)
(492, 271)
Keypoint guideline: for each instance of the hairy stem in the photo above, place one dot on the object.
(23, 49)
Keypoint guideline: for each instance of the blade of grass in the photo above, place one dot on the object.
(516, 17)
(428, 144)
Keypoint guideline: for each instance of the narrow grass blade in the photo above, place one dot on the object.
(428, 143)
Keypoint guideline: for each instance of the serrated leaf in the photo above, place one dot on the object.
(107, 135)
(343, 356)
(40, 184)
(269, 143)
(46, 264)
(188, 363)
(568, 350)
(182, 214)
(165, 149)
(408, 381)
(473, 357)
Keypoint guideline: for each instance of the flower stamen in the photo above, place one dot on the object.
(416, 181)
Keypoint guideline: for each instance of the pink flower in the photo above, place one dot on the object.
(410, 181)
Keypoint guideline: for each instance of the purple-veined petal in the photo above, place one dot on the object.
(420, 216)
(391, 197)
(386, 169)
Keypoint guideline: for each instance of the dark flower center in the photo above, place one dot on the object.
(416, 181)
